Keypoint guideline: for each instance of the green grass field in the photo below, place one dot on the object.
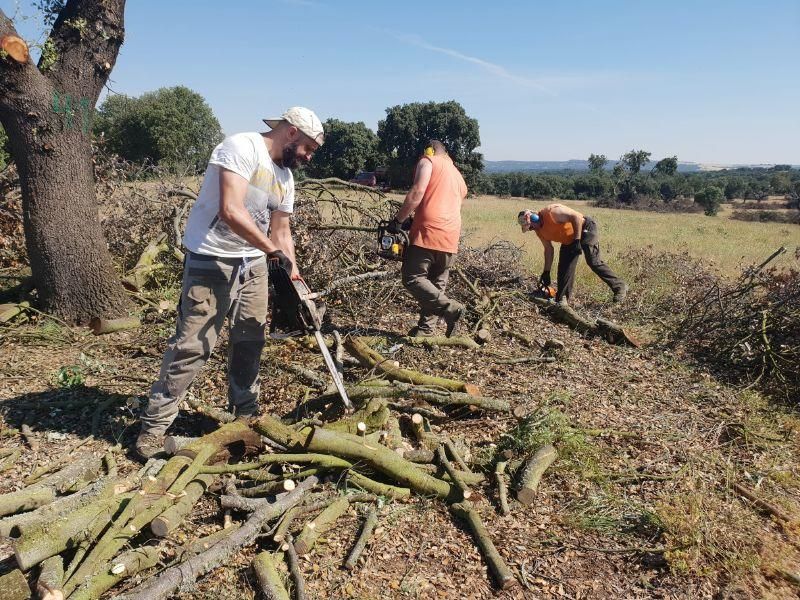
(719, 241)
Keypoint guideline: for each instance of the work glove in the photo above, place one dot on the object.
(394, 226)
(406, 225)
(282, 259)
(544, 279)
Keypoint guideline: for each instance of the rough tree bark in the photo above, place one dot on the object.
(46, 111)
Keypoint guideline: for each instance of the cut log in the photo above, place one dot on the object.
(483, 336)
(174, 443)
(101, 326)
(159, 494)
(171, 579)
(294, 568)
(373, 415)
(48, 539)
(146, 266)
(532, 473)
(9, 311)
(502, 489)
(15, 47)
(435, 341)
(502, 574)
(268, 578)
(349, 447)
(124, 566)
(14, 586)
(432, 395)
(26, 499)
(51, 579)
(74, 476)
(373, 360)
(163, 524)
(305, 375)
(198, 546)
(466, 493)
(324, 521)
(267, 489)
(366, 533)
(563, 313)
(615, 334)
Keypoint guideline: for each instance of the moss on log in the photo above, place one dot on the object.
(163, 524)
(51, 579)
(366, 532)
(320, 525)
(371, 359)
(351, 448)
(122, 567)
(269, 580)
(66, 532)
(14, 586)
(163, 586)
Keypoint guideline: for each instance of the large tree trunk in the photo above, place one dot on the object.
(46, 111)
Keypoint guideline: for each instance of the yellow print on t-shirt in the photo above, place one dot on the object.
(265, 180)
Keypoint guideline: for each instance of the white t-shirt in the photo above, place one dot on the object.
(270, 187)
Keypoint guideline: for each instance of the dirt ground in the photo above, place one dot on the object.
(638, 505)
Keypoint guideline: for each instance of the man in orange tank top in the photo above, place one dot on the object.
(577, 235)
(435, 201)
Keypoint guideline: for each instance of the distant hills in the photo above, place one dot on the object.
(539, 166)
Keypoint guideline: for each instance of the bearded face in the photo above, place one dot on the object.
(291, 158)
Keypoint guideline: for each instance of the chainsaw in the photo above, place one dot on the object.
(548, 292)
(295, 311)
(392, 246)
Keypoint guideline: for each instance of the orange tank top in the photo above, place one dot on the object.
(550, 231)
(437, 220)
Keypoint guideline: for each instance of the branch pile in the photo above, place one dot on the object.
(83, 529)
(748, 329)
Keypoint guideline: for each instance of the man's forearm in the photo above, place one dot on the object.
(285, 243)
(577, 227)
(548, 259)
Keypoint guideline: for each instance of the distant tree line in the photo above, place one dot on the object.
(176, 129)
(628, 183)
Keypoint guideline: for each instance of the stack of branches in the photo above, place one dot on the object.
(335, 228)
(748, 329)
(85, 529)
(12, 241)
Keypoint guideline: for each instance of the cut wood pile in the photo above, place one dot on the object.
(282, 484)
(82, 530)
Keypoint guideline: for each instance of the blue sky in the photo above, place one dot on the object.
(710, 81)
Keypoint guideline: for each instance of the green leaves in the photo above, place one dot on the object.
(407, 128)
(348, 149)
(173, 127)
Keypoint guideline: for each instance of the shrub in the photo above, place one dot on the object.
(710, 199)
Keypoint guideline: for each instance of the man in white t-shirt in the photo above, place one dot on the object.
(241, 214)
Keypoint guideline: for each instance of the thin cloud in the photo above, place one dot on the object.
(494, 69)
(309, 3)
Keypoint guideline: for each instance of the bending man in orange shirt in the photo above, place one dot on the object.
(435, 201)
(577, 235)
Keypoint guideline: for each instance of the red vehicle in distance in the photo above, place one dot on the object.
(376, 179)
(365, 178)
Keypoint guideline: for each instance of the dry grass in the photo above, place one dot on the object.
(725, 243)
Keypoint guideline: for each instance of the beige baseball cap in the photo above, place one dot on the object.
(304, 119)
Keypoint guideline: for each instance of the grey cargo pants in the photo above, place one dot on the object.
(213, 288)
(590, 248)
(425, 274)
